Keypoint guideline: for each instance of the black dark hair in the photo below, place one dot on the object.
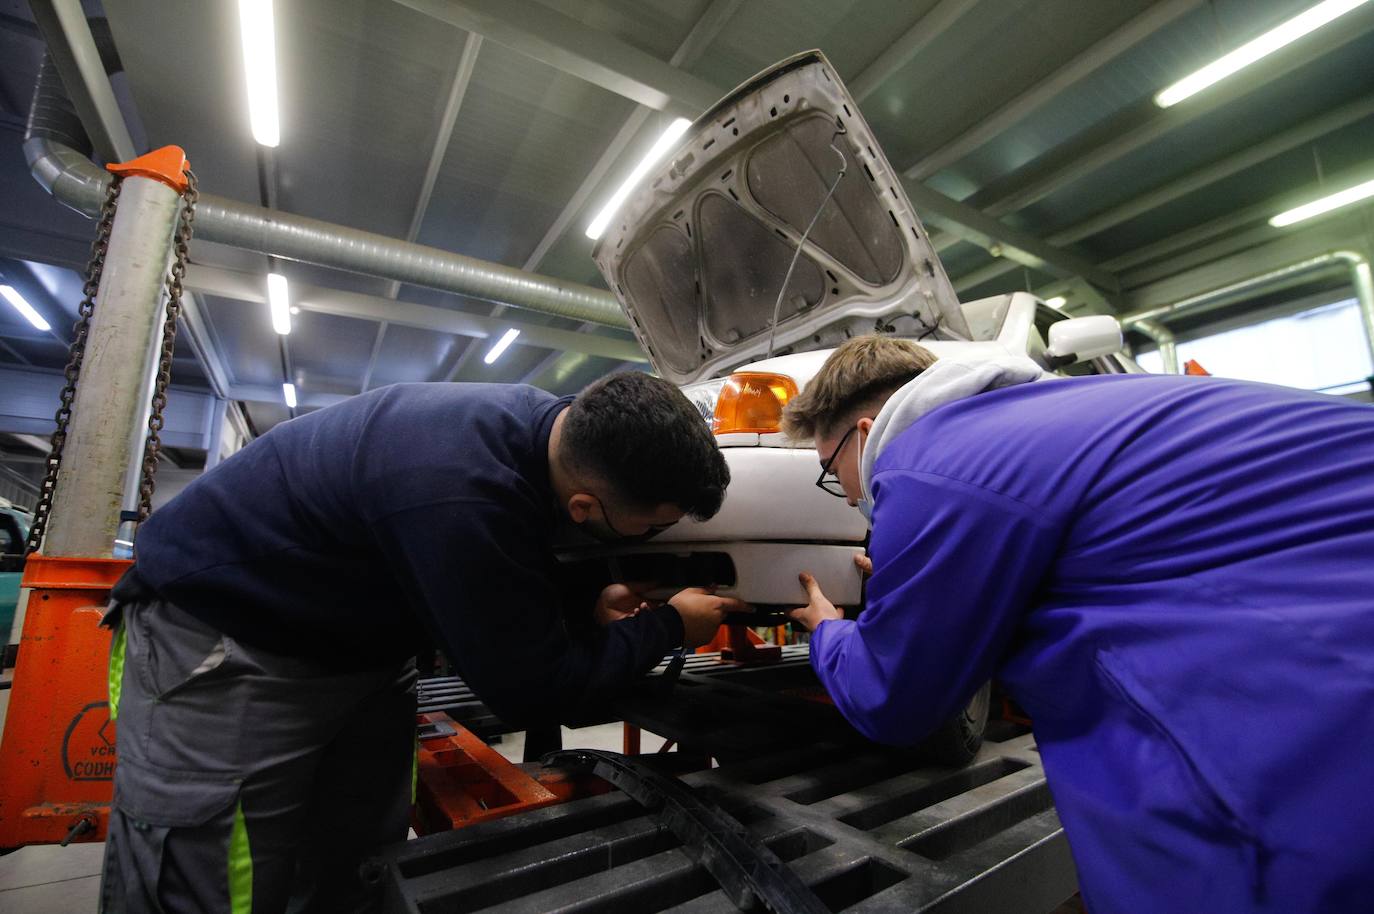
(641, 437)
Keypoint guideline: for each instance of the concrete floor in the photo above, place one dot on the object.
(66, 880)
(49, 880)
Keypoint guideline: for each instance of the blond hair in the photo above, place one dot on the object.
(862, 372)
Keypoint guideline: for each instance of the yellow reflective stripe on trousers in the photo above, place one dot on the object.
(240, 866)
(116, 670)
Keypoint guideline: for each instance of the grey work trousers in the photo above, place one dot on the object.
(249, 781)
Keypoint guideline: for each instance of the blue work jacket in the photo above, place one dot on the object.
(417, 509)
(1175, 577)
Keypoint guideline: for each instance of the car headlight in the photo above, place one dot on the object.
(703, 396)
(747, 401)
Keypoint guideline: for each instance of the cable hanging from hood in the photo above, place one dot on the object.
(777, 305)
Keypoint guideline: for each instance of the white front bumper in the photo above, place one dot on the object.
(775, 523)
(773, 497)
(764, 574)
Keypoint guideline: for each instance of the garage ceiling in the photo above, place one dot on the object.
(1034, 117)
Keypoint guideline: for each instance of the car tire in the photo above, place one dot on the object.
(958, 739)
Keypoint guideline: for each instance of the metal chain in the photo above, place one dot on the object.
(75, 354)
(175, 278)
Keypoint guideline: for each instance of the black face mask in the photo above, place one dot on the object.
(606, 532)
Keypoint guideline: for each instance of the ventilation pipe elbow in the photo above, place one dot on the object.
(67, 174)
(1163, 338)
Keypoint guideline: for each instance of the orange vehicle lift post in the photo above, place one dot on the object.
(57, 753)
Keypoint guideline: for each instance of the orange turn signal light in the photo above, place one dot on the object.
(752, 401)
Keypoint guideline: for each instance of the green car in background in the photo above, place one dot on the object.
(14, 530)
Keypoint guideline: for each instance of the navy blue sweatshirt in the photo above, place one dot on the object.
(348, 532)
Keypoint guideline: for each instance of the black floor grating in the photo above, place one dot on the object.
(554, 864)
(487, 840)
(949, 838)
(868, 828)
(787, 764)
(889, 808)
(868, 878)
(846, 776)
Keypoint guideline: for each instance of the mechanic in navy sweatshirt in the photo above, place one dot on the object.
(1173, 575)
(262, 672)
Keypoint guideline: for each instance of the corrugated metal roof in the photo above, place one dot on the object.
(364, 83)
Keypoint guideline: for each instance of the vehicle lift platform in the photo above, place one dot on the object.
(854, 825)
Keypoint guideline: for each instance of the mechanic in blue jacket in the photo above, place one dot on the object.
(1173, 575)
(262, 670)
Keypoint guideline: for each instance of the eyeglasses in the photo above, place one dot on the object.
(828, 482)
(652, 530)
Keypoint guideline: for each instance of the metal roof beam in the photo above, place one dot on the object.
(458, 90)
(560, 225)
(248, 287)
(32, 394)
(1014, 110)
(462, 76)
(197, 330)
(200, 335)
(1292, 138)
(1014, 244)
(1165, 120)
(1281, 250)
(999, 267)
(1199, 255)
(703, 32)
(913, 41)
(563, 42)
(256, 393)
(1317, 127)
(19, 274)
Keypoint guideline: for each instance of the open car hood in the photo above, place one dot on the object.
(699, 250)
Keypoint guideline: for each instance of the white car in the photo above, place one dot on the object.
(774, 232)
(698, 255)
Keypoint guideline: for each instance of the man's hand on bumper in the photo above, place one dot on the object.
(620, 601)
(702, 614)
(819, 609)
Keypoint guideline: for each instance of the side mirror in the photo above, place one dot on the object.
(1079, 339)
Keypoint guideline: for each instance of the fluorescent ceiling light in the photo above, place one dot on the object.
(1285, 33)
(260, 66)
(506, 339)
(11, 295)
(658, 151)
(1058, 301)
(279, 300)
(288, 391)
(1325, 204)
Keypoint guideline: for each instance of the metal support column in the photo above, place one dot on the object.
(1361, 279)
(110, 414)
(1164, 338)
(219, 415)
